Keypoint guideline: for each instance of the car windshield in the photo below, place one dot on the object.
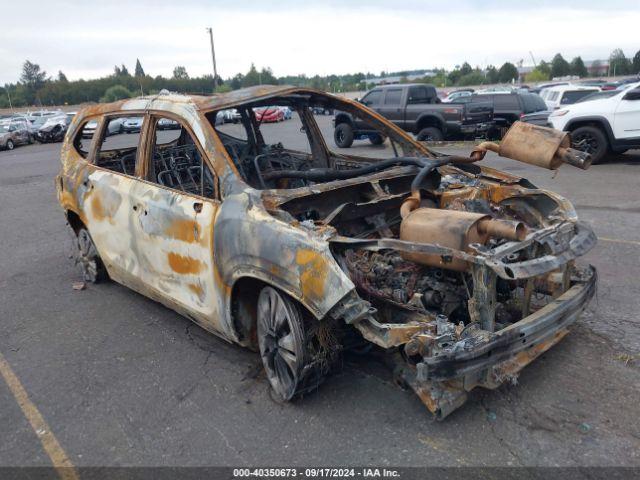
(570, 97)
(272, 150)
(4, 127)
(598, 96)
(39, 121)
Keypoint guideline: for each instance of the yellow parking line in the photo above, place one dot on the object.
(617, 240)
(58, 457)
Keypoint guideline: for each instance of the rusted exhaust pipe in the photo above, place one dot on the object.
(574, 157)
(503, 229)
(536, 145)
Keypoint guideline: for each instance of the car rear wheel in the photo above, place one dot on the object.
(292, 357)
(591, 140)
(376, 139)
(93, 269)
(430, 134)
(343, 135)
(10, 145)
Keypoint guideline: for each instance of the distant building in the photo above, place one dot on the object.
(523, 71)
(597, 67)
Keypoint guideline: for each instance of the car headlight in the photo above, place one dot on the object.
(558, 113)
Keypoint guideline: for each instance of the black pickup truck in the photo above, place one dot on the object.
(415, 108)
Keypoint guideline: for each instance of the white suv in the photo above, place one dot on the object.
(604, 125)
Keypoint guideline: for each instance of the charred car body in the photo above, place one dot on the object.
(461, 273)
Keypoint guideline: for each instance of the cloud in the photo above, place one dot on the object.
(86, 39)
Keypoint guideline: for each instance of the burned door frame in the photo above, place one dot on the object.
(110, 206)
(174, 234)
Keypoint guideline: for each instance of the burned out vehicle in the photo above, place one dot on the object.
(460, 273)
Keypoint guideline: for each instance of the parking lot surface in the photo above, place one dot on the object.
(121, 380)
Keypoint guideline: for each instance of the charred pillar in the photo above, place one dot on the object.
(482, 304)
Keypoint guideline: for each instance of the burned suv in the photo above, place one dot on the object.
(461, 273)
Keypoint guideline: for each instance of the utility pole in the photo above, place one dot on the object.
(213, 57)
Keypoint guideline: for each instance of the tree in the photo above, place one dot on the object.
(559, 66)
(251, 78)
(180, 73)
(578, 68)
(507, 73)
(618, 63)
(267, 78)
(124, 72)
(32, 75)
(472, 78)
(492, 74)
(465, 69)
(636, 63)
(536, 76)
(117, 92)
(236, 82)
(544, 68)
(595, 68)
(139, 71)
(62, 77)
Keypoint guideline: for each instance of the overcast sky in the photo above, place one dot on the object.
(85, 39)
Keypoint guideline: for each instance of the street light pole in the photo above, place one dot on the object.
(213, 57)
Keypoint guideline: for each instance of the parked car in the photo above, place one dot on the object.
(453, 96)
(602, 126)
(287, 112)
(319, 110)
(538, 88)
(555, 97)
(301, 256)
(52, 129)
(14, 132)
(510, 107)
(415, 108)
(132, 125)
(168, 124)
(113, 128)
(230, 116)
(269, 114)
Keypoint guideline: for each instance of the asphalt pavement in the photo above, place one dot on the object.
(120, 380)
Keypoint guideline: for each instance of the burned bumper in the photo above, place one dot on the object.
(442, 380)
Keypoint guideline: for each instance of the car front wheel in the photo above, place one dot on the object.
(591, 140)
(343, 135)
(292, 356)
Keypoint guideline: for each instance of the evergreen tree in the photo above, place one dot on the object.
(578, 68)
(139, 72)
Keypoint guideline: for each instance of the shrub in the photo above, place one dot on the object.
(117, 92)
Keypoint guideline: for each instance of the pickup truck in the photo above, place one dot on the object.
(415, 108)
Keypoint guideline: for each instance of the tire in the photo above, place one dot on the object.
(288, 344)
(430, 134)
(343, 135)
(591, 140)
(10, 145)
(93, 270)
(377, 139)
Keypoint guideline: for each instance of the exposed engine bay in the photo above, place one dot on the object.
(446, 257)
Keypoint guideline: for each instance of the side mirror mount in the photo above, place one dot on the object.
(632, 94)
